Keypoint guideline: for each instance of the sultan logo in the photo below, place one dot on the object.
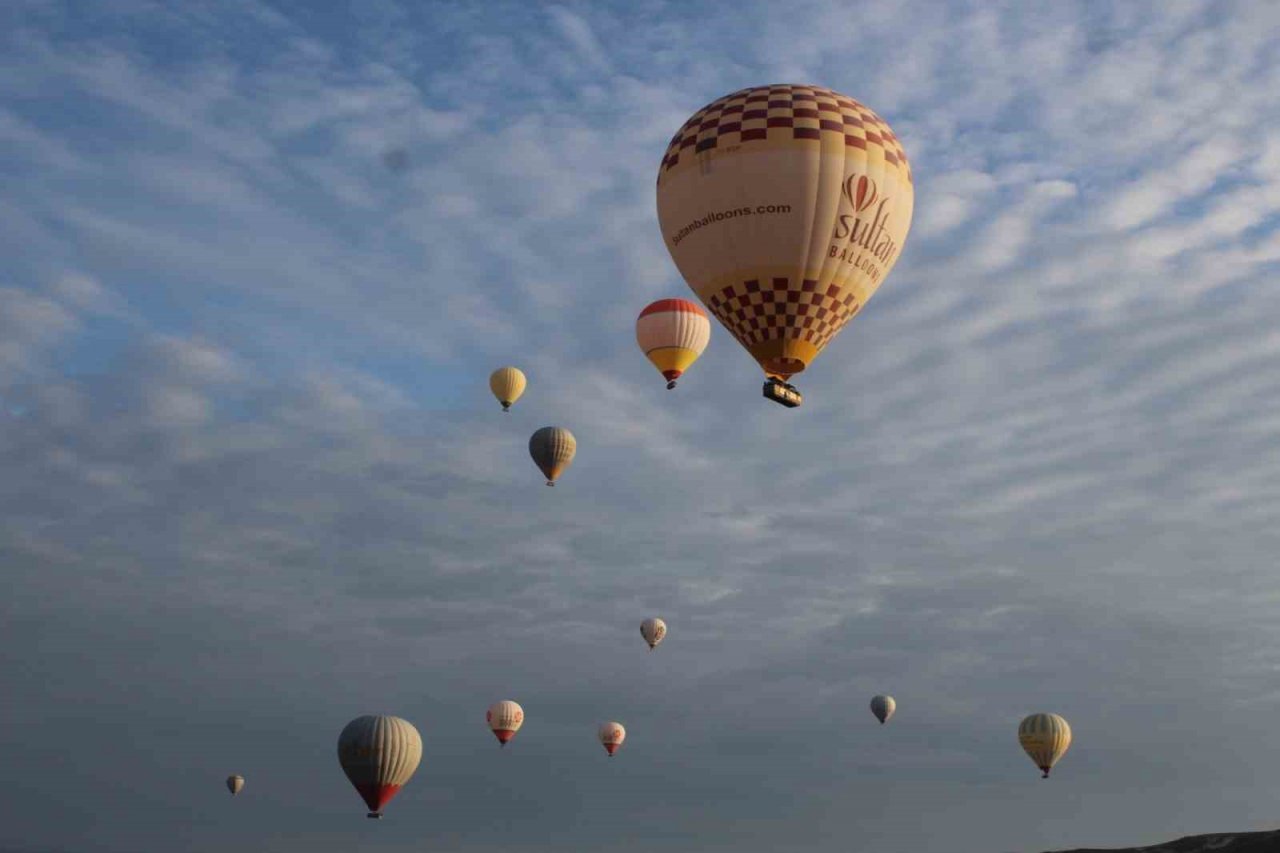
(861, 192)
(861, 238)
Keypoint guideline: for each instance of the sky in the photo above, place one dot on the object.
(257, 260)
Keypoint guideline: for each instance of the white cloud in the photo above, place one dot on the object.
(578, 32)
(1190, 174)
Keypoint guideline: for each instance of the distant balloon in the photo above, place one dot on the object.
(654, 631)
(784, 207)
(507, 384)
(552, 449)
(396, 159)
(1045, 738)
(883, 707)
(379, 756)
(672, 333)
(235, 784)
(611, 736)
(505, 719)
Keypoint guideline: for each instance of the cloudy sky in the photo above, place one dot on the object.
(257, 260)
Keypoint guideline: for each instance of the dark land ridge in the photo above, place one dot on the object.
(1220, 842)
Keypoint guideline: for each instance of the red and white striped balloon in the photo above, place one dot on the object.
(505, 719)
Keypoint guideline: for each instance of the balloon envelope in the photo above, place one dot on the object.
(505, 719)
(379, 755)
(883, 707)
(552, 449)
(784, 207)
(1045, 738)
(672, 333)
(235, 784)
(507, 384)
(653, 630)
(611, 736)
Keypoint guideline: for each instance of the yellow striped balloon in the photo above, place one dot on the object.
(785, 207)
(552, 449)
(1045, 738)
(507, 384)
(672, 333)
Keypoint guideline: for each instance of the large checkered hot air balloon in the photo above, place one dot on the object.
(784, 207)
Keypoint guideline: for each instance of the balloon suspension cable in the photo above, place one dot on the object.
(671, 385)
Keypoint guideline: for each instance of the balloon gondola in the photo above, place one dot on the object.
(782, 393)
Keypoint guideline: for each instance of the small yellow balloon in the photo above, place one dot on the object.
(507, 384)
(1045, 738)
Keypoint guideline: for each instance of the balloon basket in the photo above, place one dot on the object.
(782, 393)
(374, 816)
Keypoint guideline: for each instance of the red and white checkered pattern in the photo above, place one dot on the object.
(756, 311)
(784, 112)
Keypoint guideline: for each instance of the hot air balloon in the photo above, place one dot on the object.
(235, 784)
(784, 207)
(883, 707)
(653, 630)
(507, 384)
(672, 333)
(611, 736)
(1046, 738)
(552, 449)
(379, 756)
(505, 719)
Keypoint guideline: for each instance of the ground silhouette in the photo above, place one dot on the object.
(1222, 842)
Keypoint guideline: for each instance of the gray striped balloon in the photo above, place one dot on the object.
(379, 755)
